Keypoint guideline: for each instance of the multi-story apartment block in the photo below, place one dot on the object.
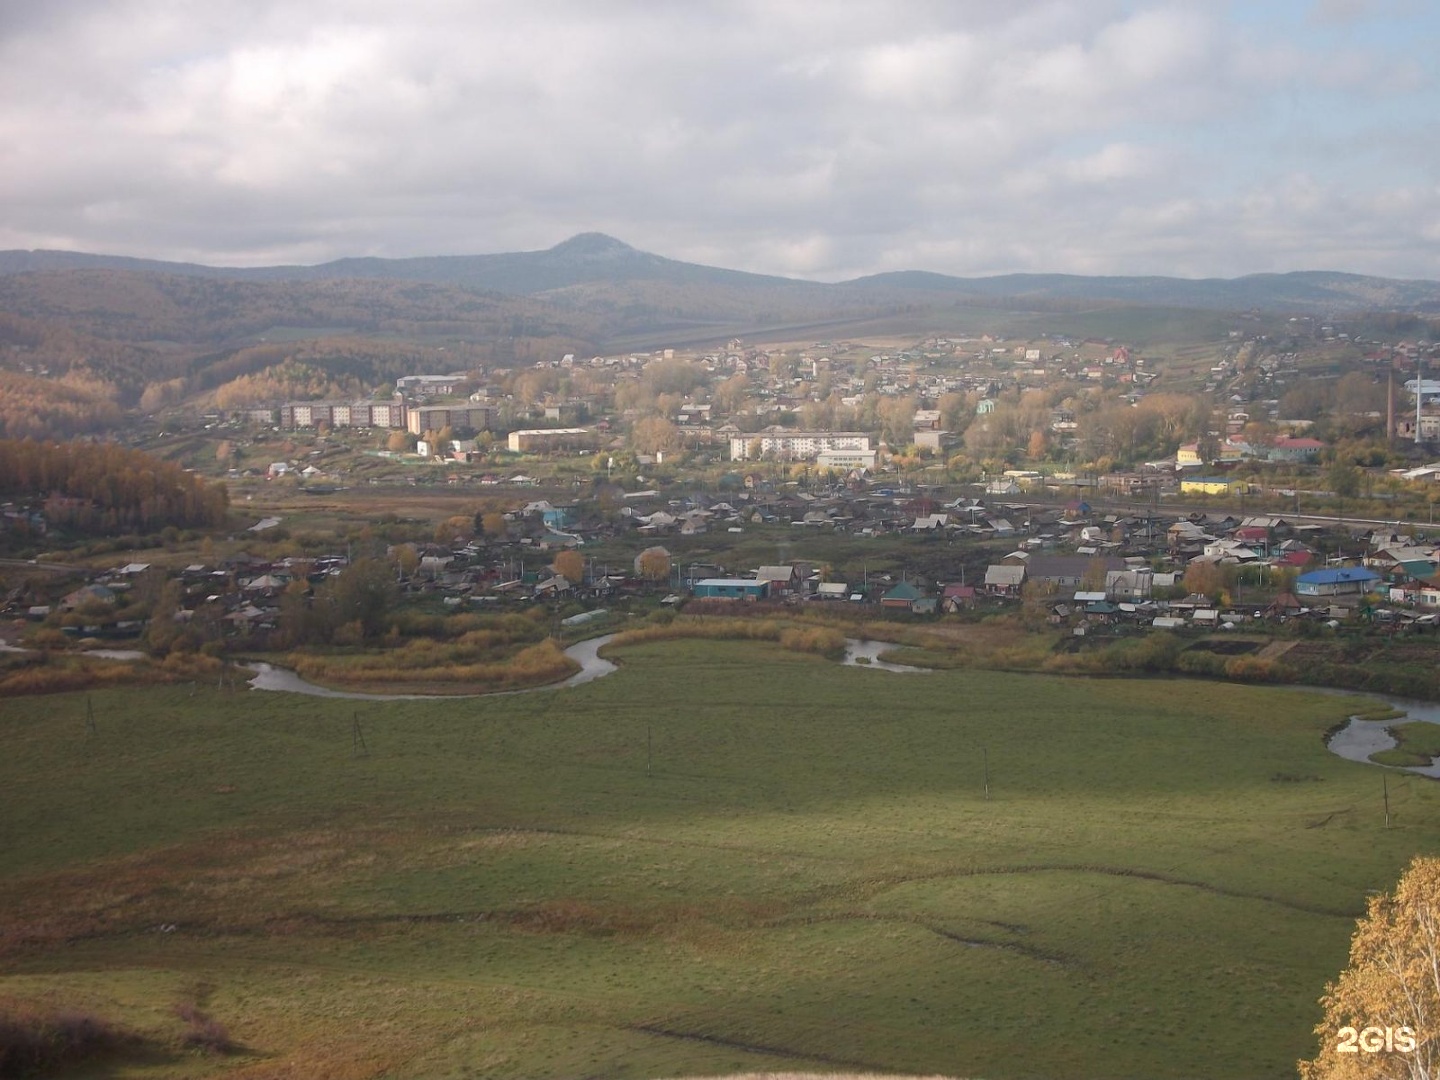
(306, 414)
(470, 416)
(430, 385)
(785, 445)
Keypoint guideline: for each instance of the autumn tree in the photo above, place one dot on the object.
(363, 593)
(654, 434)
(1204, 578)
(729, 396)
(653, 564)
(163, 630)
(1036, 598)
(570, 565)
(1393, 982)
(956, 412)
(494, 525)
(407, 559)
(1359, 394)
(897, 419)
(1344, 479)
(994, 433)
(452, 529)
(1095, 573)
(297, 622)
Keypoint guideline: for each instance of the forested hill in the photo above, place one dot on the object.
(592, 272)
(104, 488)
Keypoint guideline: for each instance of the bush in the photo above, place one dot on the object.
(35, 1043)
(821, 640)
(203, 1032)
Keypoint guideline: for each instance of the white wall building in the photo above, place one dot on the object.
(782, 444)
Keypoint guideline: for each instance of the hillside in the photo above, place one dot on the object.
(582, 273)
(127, 332)
(1306, 291)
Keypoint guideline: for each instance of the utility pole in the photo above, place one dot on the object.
(1419, 391)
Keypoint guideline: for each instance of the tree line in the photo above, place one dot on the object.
(32, 407)
(105, 488)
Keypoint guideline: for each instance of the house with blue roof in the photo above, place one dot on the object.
(1340, 581)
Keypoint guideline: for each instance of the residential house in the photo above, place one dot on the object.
(1129, 585)
(1283, 606)
(780, 581)
(1340, 581)
(1294, 449)
(931, 523)
(1070, 571)
(955, 598)
(730, 589)
(903, 595)
(1001, 580)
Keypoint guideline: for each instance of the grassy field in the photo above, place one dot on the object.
(724, 858)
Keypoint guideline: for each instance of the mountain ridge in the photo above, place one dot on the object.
(594, 259)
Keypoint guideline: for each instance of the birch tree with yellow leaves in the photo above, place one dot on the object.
(1382, 1016)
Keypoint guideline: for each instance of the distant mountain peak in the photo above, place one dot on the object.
(592, 244)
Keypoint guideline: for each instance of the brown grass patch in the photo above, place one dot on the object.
(467, 665)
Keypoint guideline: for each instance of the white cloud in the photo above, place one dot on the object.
(780, 137)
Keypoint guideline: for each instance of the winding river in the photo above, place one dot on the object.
(585, 653)
(870, 651)
(1358, 739)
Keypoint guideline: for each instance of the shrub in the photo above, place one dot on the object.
(202, 1031)
(34, 1043)
(1254, 669)
(815, 639)
(1200, 663)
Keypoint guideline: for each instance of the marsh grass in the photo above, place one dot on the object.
(823, 640)
(473, 661)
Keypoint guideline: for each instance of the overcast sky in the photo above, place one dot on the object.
(811, 138)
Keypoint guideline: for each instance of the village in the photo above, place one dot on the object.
(1074, 481)
(897, 554)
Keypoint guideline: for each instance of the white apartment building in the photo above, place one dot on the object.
(782, 444)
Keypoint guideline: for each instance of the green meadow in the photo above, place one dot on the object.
(724, 857)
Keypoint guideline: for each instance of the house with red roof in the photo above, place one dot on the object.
(1300, 449)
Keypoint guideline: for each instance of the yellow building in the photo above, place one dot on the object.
(1209, 485)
